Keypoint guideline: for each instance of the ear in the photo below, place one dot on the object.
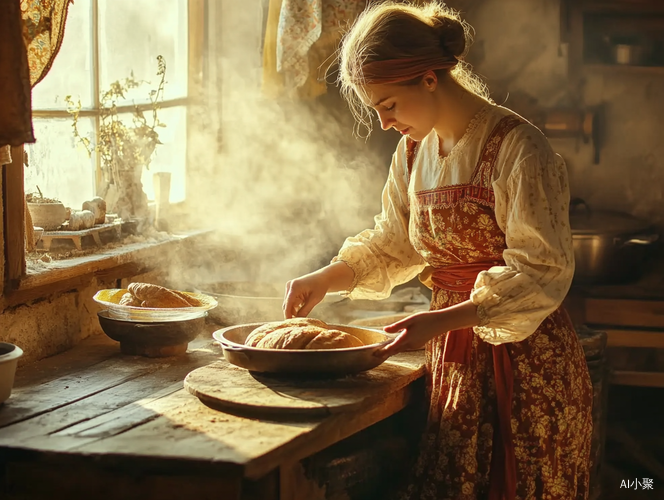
(430, 81)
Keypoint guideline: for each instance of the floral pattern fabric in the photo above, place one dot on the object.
(43, 31)
(308, 32)
(446, 213)
(529, 195)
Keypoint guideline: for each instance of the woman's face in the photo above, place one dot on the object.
(409, 109)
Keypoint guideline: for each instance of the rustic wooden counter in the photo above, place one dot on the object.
(93, 423)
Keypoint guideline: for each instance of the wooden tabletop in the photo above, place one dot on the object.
(94, 401)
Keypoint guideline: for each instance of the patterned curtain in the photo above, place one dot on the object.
(31, 34)
(301, 40)
(15, 97)
(43, 30)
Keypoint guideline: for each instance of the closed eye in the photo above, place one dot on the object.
(390, 108)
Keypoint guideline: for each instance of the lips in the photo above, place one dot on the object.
(405, 131)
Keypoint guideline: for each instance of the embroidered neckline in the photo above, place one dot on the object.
(470, 130)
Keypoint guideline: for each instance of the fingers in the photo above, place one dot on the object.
(306, 307)
(398, 326)
(292, 303)
(398, 345)
(390, 349)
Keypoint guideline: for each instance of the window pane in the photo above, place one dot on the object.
(171, 156)
(133, 33)
(58, 165)
(71, 73)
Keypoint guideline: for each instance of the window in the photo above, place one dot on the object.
(106, 41)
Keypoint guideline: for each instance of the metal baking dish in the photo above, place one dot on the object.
(326, 362)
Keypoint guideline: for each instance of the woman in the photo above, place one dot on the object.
(476, 203)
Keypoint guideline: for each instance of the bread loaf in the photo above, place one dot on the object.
(300, 333)
(156, 296)
(259, 333)
(129, 300)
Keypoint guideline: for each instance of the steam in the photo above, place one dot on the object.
(287, 181)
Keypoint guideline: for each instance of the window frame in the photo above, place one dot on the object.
(13, 189)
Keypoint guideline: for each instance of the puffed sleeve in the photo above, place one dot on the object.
(383, 257)
(532, 208)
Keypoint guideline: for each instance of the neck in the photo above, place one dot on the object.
(456, 108)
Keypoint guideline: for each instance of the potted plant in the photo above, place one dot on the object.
(46, 213)
(124, 148)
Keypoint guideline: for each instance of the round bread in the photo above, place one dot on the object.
(307, 337)
(334, 339)
(259, 333)
(297, 337)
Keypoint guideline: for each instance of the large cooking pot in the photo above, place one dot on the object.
(609, 247)
(316, 362)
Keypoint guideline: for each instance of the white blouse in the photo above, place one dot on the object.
(532, 200)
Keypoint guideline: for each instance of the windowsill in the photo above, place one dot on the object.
(113, 263)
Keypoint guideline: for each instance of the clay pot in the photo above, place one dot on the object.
(50, 216)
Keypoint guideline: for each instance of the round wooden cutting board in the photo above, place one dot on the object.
(226, 387)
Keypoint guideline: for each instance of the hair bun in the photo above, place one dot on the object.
(452, 35)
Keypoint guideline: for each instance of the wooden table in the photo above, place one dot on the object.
(93, 423)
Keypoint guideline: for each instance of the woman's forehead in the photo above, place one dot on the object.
(373, 94)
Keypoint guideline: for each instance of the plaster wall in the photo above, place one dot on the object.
(517, 49)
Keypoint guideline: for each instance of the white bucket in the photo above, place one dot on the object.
(9, 354)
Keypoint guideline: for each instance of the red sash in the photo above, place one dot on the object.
(458, 347)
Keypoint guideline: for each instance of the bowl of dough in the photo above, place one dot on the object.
(146, 303)
(302, 346)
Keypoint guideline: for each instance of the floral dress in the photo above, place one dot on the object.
(510, 400)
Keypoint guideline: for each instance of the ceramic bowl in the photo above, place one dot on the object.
(153, 339)
(111, 300)
(9, 354)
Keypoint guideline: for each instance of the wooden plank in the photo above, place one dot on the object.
(57, 480)
(634, 338)
(14, 217)
(642, 379)
(294, 484)
(85, 354)
(106, 259)
(615, 312)
(330, 431)
(31, 399)
(97, 415)
(122, 262)
(189, 430)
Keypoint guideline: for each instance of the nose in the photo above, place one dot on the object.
(386, 121)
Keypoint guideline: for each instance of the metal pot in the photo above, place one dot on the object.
(609, 247)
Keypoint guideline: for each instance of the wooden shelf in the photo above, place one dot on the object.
(625, 69)
(641, 379)
(633, 338)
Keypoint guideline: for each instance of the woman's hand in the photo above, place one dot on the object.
(302, 294)
(418, 329)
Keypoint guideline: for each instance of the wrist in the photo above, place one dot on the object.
(462, 315)
(335, 277)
